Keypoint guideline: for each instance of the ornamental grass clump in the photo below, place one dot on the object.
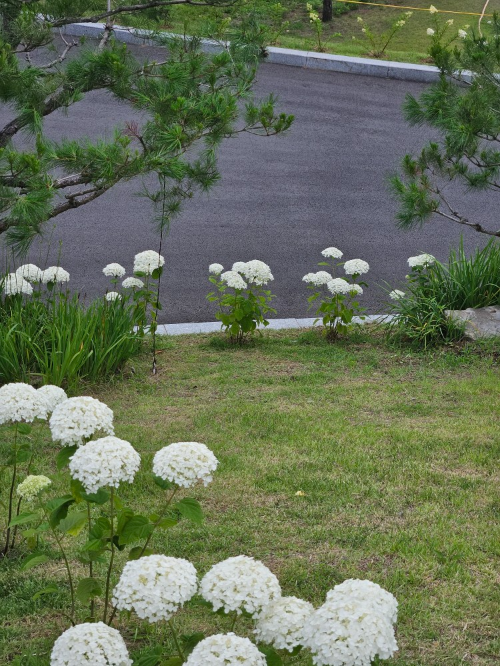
(337, 296)
(242, 301)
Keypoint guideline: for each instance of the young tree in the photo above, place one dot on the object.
(465, 111)
(191, 101)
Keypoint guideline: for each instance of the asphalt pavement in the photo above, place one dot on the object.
(281, 199)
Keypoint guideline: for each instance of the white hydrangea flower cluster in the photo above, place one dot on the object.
(32, 486)
(104, 463)
(79, 418)
(112, 296)
(332, 253)
(92, 643)
(148, 261)
(225, 649)
(53, 396)
(215, 269)
(30, 272)
(238, 266)
(355, 289)
(155, 587)
(317, 279)
(421, 260)
(185, 463)
(233, 280)
(368, 592)
(240, 583)
(55, 274)
(21, 403)
(257, 272)
(356, 267)
(132, 283)
(396, 294)
(13, 284)
(114, 270)
(282, 622)
(339, 286)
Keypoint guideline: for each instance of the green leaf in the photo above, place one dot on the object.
(272, 657)
(164, 484)
(24, 428)
(77, 490)
(23, 453)
(150, 658)
(23, 518)
(157, 273)
(99, 498)
(87, 589)
(138, 527)
(190, 641)
(190, 509)
(73, 523)
(62, 458)
(136, 552)
(173, 661)
(50, 589)
(59, 509)
(33, 561)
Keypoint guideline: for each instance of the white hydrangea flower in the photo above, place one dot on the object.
(55, 274)
(396, 294)
(281, 623)
(225, 650)
(233, 280)
(132, 283)
(421, 260)
(114, 270)
(451, 21)
(21, 403)
(462, 34)
(430, 32)
(92, 643)
(79, 418)
(356, 267)
(104, 463)
(113, 296)
(215, 269)
(185, 463)
(155, 587)
(338, 286)
(355, 289)
(238, 266)
(367, 592)
(432, 10)
(317, 279)
(332, 253)
(53, 396)
(257, 272)
(13, 284)
(148, 261)
(30, 272)
(32, 486)
(240, 583)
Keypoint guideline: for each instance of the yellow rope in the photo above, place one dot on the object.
(418, 9)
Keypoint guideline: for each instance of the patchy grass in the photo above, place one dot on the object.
(397, 454)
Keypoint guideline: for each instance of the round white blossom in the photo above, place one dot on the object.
(462, 34)
(430, 32)
(185, 463)
(55, 274)
(53, 396)
(21, 403)
(233, 280)
(113, 296)
(240, 583)
(32, 486)
(13, 284)
(355, 289)
(367, 592)
(332, 252)
(114, 270)
(450, 22)
(257, 272)
(338, 286)
(281, 623)
(30, 272)
(79, 418)
(225, 650)
(356, 267)
(215, 269)
(400, 23)
(132, 283)
(155, 587)
(104, 463)
(317, 279)
(432, 10)
(396, 294)
(238, 266)
(421, 260)
(148, 261)
(92, 643)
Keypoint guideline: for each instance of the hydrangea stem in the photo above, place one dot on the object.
(111, 559)
(66, 563)
(11, 495)
(91, 564)
(169, 501)
(176, 640)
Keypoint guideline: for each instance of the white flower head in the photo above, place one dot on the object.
(148, 261)
(332, 252)
(53, 396)
(30, 272)
(400, 23)
(281, 623)
(21, 403)
(185, 463)
(238, 266)
(462, 34)
(13, 284)
(233, 280)
(338, 286)
(114, 270)
(155, 587)
(396, 294)
(225, 649)
(355, 289)
(55, 274)
(257, 272)
(450, 22)
(430, 32)
(92, 643)
(367, 592)
(32, 486)
(215, 269)
(79, 418)
(240, 583)
(421, 260)
(113, 296)
(432, 10)
(104, 463)
(317, 279)
(132, 283)
(356, 267)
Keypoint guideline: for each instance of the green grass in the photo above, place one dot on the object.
(396, 452)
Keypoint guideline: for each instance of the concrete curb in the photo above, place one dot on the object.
(307, 59)
(274, 325)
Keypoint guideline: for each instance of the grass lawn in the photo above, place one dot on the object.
(397, 454)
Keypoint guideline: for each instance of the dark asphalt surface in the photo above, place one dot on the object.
(281, 200)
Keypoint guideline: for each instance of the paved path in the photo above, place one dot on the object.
(281, 200)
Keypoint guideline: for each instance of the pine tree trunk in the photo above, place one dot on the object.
(327, 14)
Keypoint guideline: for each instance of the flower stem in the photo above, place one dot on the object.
(91, 564)
(235, 618)
(158, 521)
(176, 640)
(11, 495)
(66, 562)
(111, 559)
